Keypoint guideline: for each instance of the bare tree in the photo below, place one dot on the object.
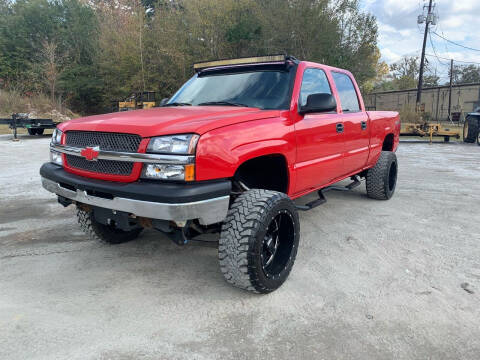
(51, 66)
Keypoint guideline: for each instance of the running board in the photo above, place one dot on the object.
(321, 196)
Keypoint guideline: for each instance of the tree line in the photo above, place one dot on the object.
(404, 74)
(86, 53)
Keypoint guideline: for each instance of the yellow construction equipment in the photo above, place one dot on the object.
(431, 130)
(138, 100)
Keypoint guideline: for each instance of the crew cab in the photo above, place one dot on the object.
(228, 153)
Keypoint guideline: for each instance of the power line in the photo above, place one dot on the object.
(455, 43)
(444, 42)
(461, 61)
(433, 48)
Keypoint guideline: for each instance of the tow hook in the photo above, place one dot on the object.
(175, 231)
(178, 236)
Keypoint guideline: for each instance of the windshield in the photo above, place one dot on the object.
(264, 89)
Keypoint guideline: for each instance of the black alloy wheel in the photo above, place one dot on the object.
(392, 176)
(278, 244)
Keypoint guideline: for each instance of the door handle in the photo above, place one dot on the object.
(339, 128)
(364, 125)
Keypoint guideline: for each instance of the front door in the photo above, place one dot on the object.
(320, 138)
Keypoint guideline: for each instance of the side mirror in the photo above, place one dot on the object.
(320, 102)
(163, 101)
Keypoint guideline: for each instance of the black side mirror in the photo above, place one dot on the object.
(320, 102)
(163, 101)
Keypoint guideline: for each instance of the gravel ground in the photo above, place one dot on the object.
(373, 280)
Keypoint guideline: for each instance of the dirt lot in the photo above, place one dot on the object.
(373, 280)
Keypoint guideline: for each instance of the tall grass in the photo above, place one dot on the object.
(39, 104)
(13, 101)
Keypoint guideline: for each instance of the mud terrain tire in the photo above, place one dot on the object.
(381, 180)
(471, 129)
(104, 233)
(259, 240)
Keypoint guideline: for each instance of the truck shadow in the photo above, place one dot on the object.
(24, 137)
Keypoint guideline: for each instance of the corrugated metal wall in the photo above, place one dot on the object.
(464, 99)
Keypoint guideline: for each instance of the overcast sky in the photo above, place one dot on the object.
(399, 34)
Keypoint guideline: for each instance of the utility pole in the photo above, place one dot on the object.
(450, 91)
(430, 18)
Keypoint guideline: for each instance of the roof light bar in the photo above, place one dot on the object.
(241, 61)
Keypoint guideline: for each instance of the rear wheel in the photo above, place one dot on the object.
(40, 131)
(105, 233)
(259, 240)
(381, 180)
(32, 131)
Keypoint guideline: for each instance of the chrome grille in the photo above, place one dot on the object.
(101, 166)
(106, 141)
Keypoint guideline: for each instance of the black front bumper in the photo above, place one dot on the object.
(170, 193)
(206, 201)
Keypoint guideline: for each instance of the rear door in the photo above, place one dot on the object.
(319, 138)
(356, 124)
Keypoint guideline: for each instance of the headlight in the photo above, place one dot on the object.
(175, 144)
(56, 158)
(169, 172)
(57, 137)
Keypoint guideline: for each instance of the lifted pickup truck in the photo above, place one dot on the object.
(228, 153)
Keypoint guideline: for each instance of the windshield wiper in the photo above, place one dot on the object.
(227, 103)
(177, 104)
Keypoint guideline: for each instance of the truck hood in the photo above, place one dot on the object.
(168, 120)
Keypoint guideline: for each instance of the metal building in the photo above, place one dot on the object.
(465, 98)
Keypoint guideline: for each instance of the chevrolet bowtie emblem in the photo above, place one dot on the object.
(90, 153)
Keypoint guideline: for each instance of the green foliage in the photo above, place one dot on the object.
(404, 75)
(28, 25)
(464, 74)
(104, 50)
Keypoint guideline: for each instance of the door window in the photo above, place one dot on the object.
(314, 81)
(346, 92)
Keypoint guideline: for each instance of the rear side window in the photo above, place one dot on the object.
(314, 81)
(346, 92)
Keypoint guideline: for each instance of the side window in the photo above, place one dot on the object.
(314, 81)
(346, 92)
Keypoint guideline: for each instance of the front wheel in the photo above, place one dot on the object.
(104, 233)
(381, 180)
(259, 240)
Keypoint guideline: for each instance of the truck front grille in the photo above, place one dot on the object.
(100, 166)
(106, 141)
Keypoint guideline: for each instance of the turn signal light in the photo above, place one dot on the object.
(189, 172)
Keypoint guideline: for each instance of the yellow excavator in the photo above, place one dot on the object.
(138, 100)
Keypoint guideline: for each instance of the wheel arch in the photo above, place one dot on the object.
(267, 171)
(388, 142)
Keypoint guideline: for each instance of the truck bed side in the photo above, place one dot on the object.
(385, 133)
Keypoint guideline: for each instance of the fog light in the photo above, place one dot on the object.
(169, 172)
(56, 158)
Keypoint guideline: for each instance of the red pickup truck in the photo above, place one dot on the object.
(227, 153)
